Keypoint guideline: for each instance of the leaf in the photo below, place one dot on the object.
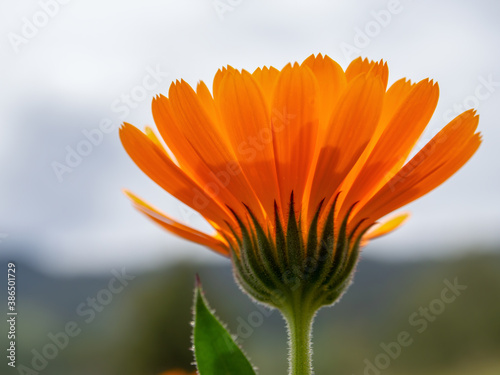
(215, 351)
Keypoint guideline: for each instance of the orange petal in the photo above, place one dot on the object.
(352, 125)
(295, 120)
(332, 82)
(361, 66)
(247, 125)
(396, 141)
(218, 79)
(213, 147)
(386, 227)
(160, 168)
(177, 228)
(266, 78)
(151, 135)
(447, 152)
(394, 97)
(188, 158)
(207, 101)
(173, 137)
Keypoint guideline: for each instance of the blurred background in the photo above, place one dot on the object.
(73, 71)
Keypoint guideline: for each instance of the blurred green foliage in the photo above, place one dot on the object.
(146, 327)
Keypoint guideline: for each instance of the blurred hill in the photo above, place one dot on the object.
(139, 323)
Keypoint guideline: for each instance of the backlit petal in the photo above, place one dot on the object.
(160, 168)
(266, 78)
(295, 121)
(447, 152)
(213, 147)
(362, 66)
(248, 127)
(395, 142)
(386, 227)
(177, 228)
(331, 84)
(352, 125)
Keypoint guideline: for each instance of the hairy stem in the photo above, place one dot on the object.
(299, 320)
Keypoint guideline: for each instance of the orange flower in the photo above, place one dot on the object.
(312, 129)
(311, 149)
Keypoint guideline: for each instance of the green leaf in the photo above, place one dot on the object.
(215, 351)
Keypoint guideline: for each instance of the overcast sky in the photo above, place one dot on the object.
(70, 67)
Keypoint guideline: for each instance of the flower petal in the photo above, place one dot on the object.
(151, 135)
(160, 168)
(213, 148)
(207, 101)
(218, 79)
(295, 121)
(245, 114)
(266, 78)
(361, 66)
(394, 97)
(331, 81)
(386, 227)
(177, 228)
(188, 158)
(352, 125)
(447, 152)
(395, 142)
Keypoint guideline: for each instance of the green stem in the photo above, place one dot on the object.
(299, 320)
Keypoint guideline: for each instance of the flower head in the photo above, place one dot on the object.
(292, 168)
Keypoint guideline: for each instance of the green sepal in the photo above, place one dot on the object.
(215, 351)
(312, 236)
(277, 267)
(248, 267)
(248, 281)
(341, 251)
(294, 243)
(265, 251)
(280, 246)
(325, 247)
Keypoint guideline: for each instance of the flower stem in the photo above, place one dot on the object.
(299, 324)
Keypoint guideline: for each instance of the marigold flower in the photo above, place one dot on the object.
(311, 130)
(292, 168)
